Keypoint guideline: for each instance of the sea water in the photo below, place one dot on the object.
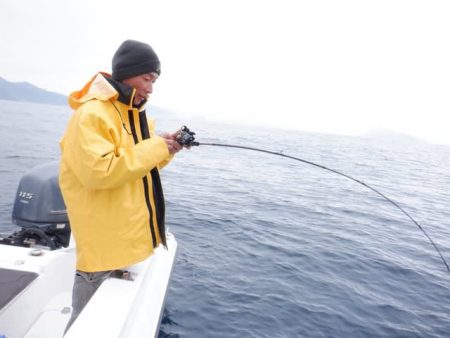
(270, 247)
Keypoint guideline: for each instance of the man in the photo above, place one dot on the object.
(109, 174)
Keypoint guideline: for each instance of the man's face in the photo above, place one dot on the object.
(143, 84)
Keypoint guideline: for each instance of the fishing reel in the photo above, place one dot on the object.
(186, 137)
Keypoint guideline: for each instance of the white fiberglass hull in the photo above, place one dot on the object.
(119, 308)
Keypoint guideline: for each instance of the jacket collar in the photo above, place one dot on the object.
(126, 93)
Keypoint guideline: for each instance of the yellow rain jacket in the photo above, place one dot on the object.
(109, 177)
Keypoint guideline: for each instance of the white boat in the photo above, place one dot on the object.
(37, 274)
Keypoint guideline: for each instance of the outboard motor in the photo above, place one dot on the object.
(40, 211)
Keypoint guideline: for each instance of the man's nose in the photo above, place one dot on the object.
(149, 89)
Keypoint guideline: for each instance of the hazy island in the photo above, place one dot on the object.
(26, 92)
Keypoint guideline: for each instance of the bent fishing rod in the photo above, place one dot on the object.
(186, 138)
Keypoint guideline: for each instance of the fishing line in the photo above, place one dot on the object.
(336, 172)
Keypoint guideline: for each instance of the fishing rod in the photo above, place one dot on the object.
(186, 138)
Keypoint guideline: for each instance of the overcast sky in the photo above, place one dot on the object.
(328, 66)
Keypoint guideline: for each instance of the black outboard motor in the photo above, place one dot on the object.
(40, 211)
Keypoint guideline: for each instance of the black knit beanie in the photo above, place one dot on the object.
(134, 58)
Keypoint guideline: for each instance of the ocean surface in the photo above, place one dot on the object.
(270, 247)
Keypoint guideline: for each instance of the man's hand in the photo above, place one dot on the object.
(171, 141)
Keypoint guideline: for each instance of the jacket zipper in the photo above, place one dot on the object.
(158, 194)
(144, 179)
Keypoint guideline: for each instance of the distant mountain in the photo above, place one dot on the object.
(26, 92)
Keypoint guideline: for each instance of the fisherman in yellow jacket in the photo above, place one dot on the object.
(109, 174)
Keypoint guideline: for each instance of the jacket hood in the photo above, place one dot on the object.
(104, 88)
(96, 88)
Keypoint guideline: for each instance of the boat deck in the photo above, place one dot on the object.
(119, 308)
